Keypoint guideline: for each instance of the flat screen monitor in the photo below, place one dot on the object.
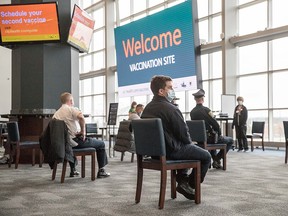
(81, 29)
(21, 23)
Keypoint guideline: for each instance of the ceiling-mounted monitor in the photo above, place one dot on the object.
(81, 29)
(22, 23)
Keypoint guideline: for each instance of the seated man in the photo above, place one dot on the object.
(138, 111)
(73, 117)
(200, 112)
(177, 139)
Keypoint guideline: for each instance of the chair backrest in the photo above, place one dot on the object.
(149, 137)
(125, 137)
(285, 125)
(258, 127)
(91, 128)
(197, 131)
(13, 131)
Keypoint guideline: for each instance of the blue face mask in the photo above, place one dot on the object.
(170, 95)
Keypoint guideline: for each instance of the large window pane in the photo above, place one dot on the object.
(253, 18)
(86, 86)
(216, 6)
(216, 28)
(98, 85)
(98, 62)
(216, 95)
(87, 105)
(277, 129)
(203, 31)
(98, 15)
(99, 105)
(87, 63)
(202, 8)
(253, 58)
(279, 13)
(280, 53)
(280, 88)
(154, 2)
(124, 106)
(254, 89)
(139, 5)
(216, 64)
(98, 40)
(204, 66)
(124, 8)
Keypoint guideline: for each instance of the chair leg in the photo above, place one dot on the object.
(93, 167)
(162, 188)
(132, 157)
(83, 166)
(198, 184)
(173, 184)
(10, 155)
(139, 184)
(122, 156)
(17, 157)
(252, 147)
(33, 157)
(263, 143)
(286, 152)
(40, 158)
(224, 159)
(54, 170)
(63, 171)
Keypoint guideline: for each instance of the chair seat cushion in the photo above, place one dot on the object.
(219, 145)
(84, 150)
(254, 136)
(170, 161)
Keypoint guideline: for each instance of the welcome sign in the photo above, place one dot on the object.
(160, 44)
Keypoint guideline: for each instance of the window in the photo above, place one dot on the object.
(280, 88)
(279, 13)
(279, 54)
(139, 5)
(253, 58)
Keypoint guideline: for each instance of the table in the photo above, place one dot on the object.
(225, 119)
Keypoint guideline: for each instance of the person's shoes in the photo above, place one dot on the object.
(240, 150)
(74, 173)
(246, 150)
(185, 189)
(4, 160)
(217, 164)
(102, 174)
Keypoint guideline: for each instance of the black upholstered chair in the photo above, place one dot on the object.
(285, 124)
(92, 130)
(198, 134)
(14, 141)
(149, 141)
(257, 133)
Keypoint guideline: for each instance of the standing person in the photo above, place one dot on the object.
(177, 139)
(240, 123)
(138, 111)
(200, 112)
(74, 118)
(132, 108)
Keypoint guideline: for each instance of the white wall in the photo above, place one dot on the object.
(5, 80)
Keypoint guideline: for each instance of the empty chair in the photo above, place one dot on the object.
(257, 133)
(198, 134)
(92, 130)
(149, 141)
(285, 124)
(14, 141)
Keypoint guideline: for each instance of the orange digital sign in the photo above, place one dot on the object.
(29, 22)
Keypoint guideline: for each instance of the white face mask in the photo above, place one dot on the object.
(240, 103)
(170, 95)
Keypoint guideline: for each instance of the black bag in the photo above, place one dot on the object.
(212, 137)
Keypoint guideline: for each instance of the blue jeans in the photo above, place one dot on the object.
(192, 152)
(223, 140)
(99, 147)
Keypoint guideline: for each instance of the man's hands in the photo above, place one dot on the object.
(81, 135)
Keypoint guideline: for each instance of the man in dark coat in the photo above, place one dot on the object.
(200, 112)
(177, 139)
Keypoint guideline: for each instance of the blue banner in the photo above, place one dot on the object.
(160, 44)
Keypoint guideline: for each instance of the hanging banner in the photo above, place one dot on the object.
(160, 44)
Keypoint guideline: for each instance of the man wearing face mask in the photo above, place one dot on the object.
(239, 121)
(177, 139)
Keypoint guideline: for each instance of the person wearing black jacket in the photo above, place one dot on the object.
(239, 121)
(177, 139)
(200, 112)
